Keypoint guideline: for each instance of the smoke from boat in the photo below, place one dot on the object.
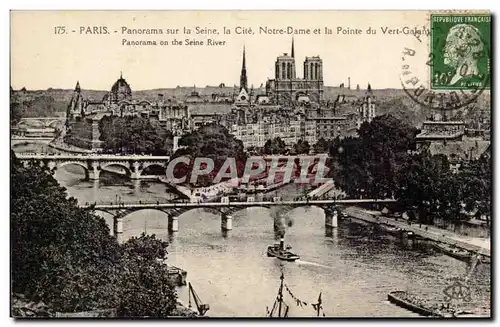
(281, 221)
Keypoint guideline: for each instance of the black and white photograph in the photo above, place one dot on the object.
(250, 164)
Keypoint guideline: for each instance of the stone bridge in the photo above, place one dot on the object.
(93, 164)
(225, 209)
(42, 122)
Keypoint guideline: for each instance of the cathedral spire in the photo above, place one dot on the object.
(293, 49)
(243, 76)
(77, 87)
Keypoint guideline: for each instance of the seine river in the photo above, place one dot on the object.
(354, 269)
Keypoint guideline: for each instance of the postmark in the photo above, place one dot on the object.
(459, 51)
(416, 86)
(471, 77)
(457, 291)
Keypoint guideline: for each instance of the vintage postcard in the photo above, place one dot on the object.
(184, 164)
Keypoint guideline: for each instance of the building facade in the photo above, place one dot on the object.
(83, 115)
(287, 89)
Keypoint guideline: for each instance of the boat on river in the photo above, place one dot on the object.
(176, 275)
(392, 230)
(454, 252)
(279, 251)
(424, 308)
(412, 303)
(484, 259)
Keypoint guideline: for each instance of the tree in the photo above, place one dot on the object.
(65, 256)
(134, 135)
(301, 147)
(15, 110)
(210, 141)
(427, 185)
(144, 286)
(349, 167)
(476, 178)
(369, 164)
(61, 254)
(275, 146)
(321, 146)
(24, 104)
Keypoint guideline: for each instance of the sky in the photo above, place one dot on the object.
(41, 57)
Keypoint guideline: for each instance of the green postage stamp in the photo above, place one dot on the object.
(460, 51)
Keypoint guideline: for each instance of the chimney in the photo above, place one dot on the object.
(282, 244)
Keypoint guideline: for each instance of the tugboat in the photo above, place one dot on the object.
(278, 251)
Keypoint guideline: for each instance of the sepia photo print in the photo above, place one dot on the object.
(250, 164)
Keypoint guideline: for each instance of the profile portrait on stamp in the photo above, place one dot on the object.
(460, 51)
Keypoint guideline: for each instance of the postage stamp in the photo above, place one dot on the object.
(460, 47)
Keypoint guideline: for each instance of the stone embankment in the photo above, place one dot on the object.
(473, 244)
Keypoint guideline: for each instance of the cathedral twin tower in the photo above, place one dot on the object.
(286, 88)
(285, 67)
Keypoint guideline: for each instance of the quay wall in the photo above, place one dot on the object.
(443, 236)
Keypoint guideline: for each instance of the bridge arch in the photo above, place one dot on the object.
(57, 124)
(32, 123)
(123, 165)
(110, 213)
(157, 165)
(75, 163)
(124, 103)
(144, 102)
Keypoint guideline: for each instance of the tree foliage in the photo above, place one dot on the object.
(382, 163)
(145, 288)
(134, 135)
(65, 256)
(61, 253)
(370, 164)
(428, 187)
(214, 142)
(30, 104)
(275, 146)
(301, 147)
(477, 177)
(322, 146)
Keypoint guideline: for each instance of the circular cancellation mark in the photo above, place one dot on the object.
(459, 68)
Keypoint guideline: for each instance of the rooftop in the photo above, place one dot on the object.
(442, 122)
(462, 149)
(434, 135)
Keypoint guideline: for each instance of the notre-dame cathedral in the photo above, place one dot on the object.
(287, 89)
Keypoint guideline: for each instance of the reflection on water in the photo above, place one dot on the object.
(354, 269)
(31, 147)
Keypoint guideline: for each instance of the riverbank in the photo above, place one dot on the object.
(473, 244)
(61, 146)
(23, 308)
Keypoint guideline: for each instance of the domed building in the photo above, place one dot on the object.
(83, 115)
(194, 97)
(120, 90)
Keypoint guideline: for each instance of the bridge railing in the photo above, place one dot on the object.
(90, 155)
(249, 200)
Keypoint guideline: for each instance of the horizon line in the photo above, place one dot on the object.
(194, 87)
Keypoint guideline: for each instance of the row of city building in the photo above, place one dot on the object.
(290, 108)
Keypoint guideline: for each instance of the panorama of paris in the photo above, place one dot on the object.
(353, 263)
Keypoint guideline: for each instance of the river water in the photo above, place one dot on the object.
(354, 270)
